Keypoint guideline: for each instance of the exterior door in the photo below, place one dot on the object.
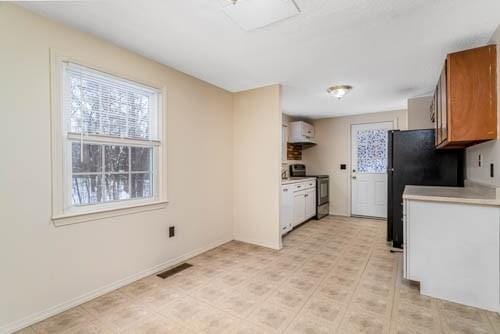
(369, 169)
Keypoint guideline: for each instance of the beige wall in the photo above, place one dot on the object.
(489, 151)
(418, 113)
(334, 139)
(257, 161)
(45, 269)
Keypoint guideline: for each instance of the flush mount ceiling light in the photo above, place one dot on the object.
(339, 91)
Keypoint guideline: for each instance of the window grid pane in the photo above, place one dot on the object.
(141, 159)
(116, 187)
(115, 181)
(86, 160)
(87, 189)
(141, 185)
(116, 158)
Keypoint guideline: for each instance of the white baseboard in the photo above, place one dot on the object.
(248, 241)
(39, 316)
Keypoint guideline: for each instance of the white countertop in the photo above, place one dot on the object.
(297, 179)
(470, 194)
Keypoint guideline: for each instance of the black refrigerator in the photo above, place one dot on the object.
(413, 160)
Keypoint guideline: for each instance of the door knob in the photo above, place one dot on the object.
(354, 177)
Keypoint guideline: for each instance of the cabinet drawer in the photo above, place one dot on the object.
(303, 185)
(299, 186)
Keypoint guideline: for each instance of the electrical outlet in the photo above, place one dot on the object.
(171, 231)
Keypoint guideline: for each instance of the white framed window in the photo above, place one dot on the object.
(107, 136)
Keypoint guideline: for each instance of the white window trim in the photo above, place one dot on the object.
(60, 216)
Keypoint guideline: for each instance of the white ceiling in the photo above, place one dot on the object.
(389, 50)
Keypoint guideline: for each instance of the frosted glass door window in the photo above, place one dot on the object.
(372, 151)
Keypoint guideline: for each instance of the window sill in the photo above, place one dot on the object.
(81, 217)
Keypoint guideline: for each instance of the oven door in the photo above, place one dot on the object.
(323, 191)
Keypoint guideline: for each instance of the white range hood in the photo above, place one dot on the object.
(301, 133)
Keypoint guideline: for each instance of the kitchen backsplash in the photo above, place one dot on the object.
(294, 152)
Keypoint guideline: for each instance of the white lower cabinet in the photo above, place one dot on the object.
(286, 209)
(453, 250)
(298, 204)
(310, 203)
(299, 207)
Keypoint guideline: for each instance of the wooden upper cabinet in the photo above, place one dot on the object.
(466, 97)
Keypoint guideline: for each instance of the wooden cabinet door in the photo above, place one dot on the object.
(472, 89)
(299, 207)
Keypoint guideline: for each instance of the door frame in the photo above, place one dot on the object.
(395, 125)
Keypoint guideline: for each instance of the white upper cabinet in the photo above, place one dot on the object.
(301, 132)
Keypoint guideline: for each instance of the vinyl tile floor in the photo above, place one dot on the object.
(335, 275)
